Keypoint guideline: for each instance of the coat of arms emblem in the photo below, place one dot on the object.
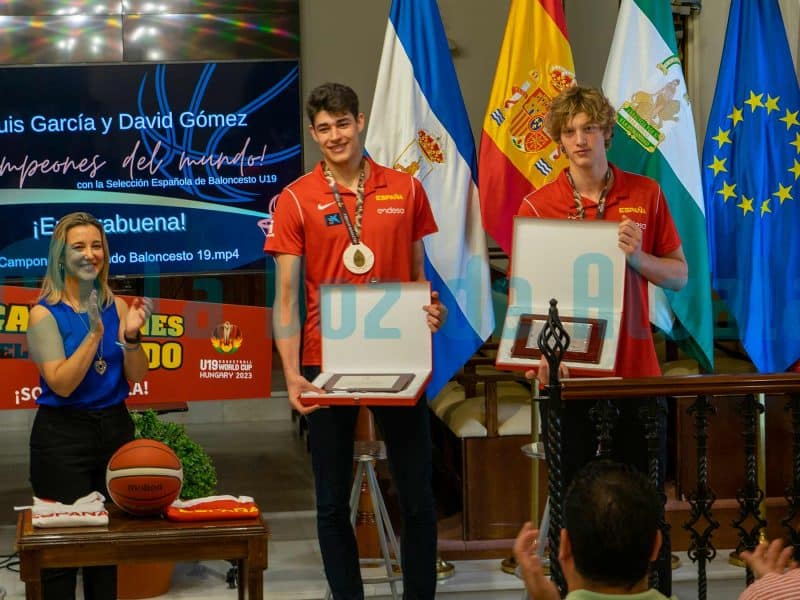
(524, 111)
(421, 155)
(644, 115)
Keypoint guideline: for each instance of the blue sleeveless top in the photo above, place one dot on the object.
(95, 391)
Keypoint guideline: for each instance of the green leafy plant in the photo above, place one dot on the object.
(199, 474)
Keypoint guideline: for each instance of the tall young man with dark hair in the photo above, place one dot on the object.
(609, 539)
(330, 223)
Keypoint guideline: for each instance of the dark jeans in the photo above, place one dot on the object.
(406, 432)
(69, 451)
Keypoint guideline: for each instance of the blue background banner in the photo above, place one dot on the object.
(179, 161)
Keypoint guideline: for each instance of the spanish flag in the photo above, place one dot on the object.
(516, 155)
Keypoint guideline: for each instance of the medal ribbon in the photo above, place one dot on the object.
(601, 203)
(353, 231)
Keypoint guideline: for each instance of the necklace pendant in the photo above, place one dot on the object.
(100, 365)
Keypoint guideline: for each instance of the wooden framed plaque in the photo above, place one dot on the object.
(586, 338)
(391, 383)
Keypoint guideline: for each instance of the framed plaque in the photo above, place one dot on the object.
(585, 274)
(586, 338)
(368, 382)
(376, 345)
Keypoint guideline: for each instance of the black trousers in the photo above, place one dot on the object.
(406, 432)
(69, 451)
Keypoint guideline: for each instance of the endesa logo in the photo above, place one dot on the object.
(391, 210)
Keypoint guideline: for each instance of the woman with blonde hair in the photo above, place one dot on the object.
(86, 343)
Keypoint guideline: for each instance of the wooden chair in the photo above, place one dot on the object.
(482, 420)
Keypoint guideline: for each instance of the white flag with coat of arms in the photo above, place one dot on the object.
(419, 124)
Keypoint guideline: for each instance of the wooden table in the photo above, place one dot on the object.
(130, 539)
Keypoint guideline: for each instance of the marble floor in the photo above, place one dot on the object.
(267, 460)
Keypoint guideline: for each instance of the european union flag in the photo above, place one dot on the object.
(750, 181)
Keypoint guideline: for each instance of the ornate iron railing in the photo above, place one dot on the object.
(705, 391)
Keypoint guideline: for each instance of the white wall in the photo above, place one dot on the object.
(342, 41)
(590, 26)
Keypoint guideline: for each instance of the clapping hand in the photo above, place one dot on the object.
(530, 564)
(138, 314)
(769, 558)
(93, 313)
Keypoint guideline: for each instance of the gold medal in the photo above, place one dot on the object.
(358, 258)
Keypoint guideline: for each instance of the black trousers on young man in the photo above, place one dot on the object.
(407, 435)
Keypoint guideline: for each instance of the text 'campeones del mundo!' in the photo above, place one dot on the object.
(139, 164)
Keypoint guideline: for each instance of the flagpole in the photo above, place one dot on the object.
(761, 450)
(509, 564)
(535, 440)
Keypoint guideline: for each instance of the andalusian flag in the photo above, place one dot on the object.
(516, 155)
(654, 136)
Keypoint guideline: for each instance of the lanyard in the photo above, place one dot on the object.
(601, 203)
(353, 231)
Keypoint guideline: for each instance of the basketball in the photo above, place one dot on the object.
(144, 477)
